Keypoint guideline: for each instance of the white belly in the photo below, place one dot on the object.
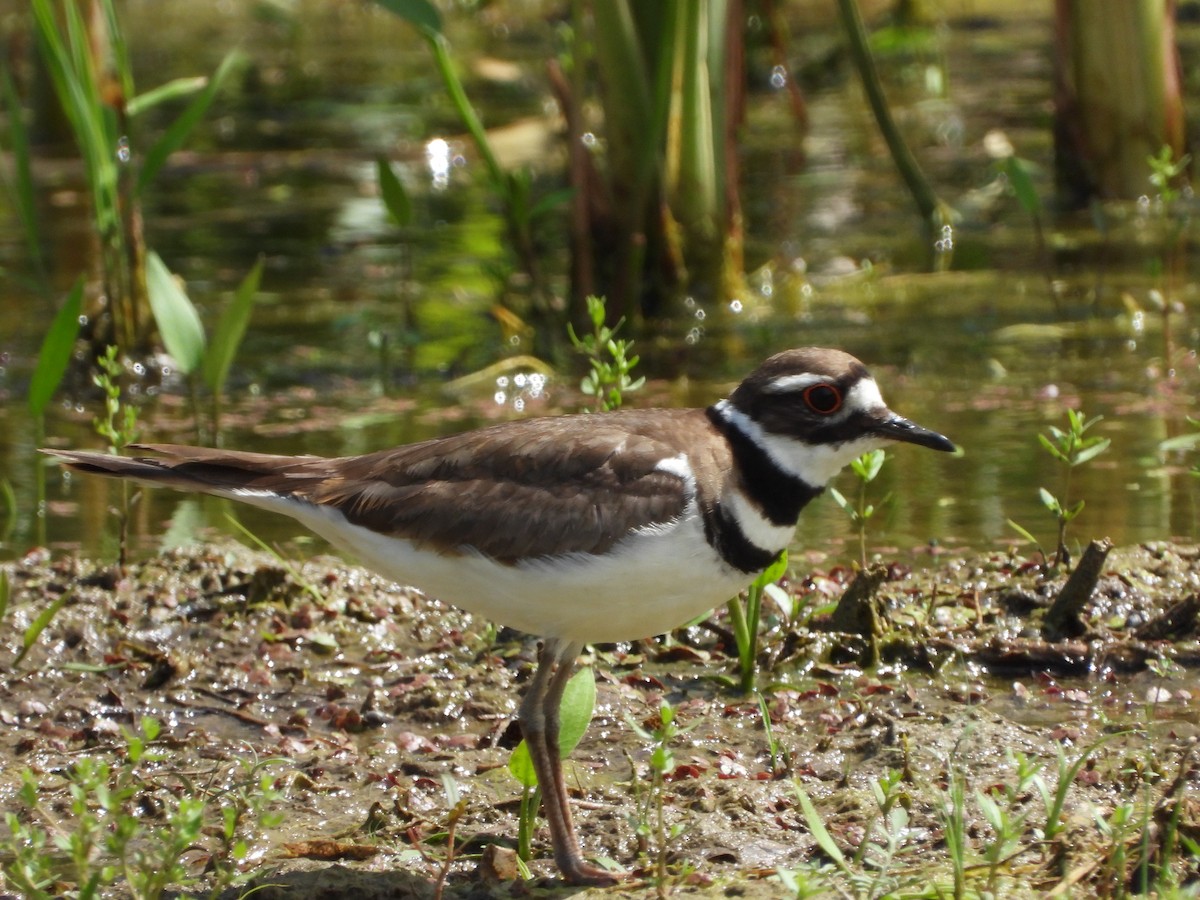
(643, 587)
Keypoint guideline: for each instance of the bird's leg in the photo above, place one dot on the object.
(539, 724)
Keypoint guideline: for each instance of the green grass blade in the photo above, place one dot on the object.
(55, 355)
(22, 188)
(817, 829)
(177, 133)
(38, 625)
(178, 322)
(119, 48)
(231, 328)
(8, 498)
(69, 65)
(5, 593)
(391, 191)
(173, 89)
(1022, 531)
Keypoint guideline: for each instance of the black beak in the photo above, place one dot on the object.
(898, 428)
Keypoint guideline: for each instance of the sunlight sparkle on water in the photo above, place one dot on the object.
(437, 155)
(945, 243)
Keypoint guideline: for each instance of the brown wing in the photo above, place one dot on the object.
(575, 484)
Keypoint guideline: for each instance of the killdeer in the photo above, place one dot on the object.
(586, 528)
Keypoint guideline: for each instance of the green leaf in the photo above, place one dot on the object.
(178, 322)
(231, 328)
(575, 712)
(840, 499)
(5, 593)
(1091, 452)
(817, 829)
(520, 765)
(38, 625)
(419, 13)
(1018, 172)
(395, 197)
(55, 355)
(1050, 501)
(177, 133)
(1052, 448)
(867, 466)
(177, 87)
(1180, 442)
(773, 572)
(991, 811)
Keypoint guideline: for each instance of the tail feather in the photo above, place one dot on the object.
(202, 469)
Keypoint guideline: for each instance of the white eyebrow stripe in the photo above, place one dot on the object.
(787, 383)
(865, 396)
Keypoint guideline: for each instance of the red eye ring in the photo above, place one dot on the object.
(823, 399)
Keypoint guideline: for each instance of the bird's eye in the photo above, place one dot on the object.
(824, 399)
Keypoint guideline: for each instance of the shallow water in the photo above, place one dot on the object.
(979, 351)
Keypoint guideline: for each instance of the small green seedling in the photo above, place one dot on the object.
(118, 426)
(456, 808)
(781, 759)
(609, 377)
(866, 467)
(651, 819)
(1166, 173)
(1072, 448)
(107, 845)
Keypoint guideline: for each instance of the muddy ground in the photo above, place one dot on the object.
(357, 697)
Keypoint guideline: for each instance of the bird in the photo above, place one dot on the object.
(579, 529)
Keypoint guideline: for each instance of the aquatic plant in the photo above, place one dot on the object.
(220, 351)
(110, 844)
(610, 364)
(118, 426)
(650, 823)
(53, 358)
(522, 211)
(1071, 448)
(866, 468)
(747, 621)
(89, 67)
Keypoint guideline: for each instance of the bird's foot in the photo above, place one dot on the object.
(577, 871)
